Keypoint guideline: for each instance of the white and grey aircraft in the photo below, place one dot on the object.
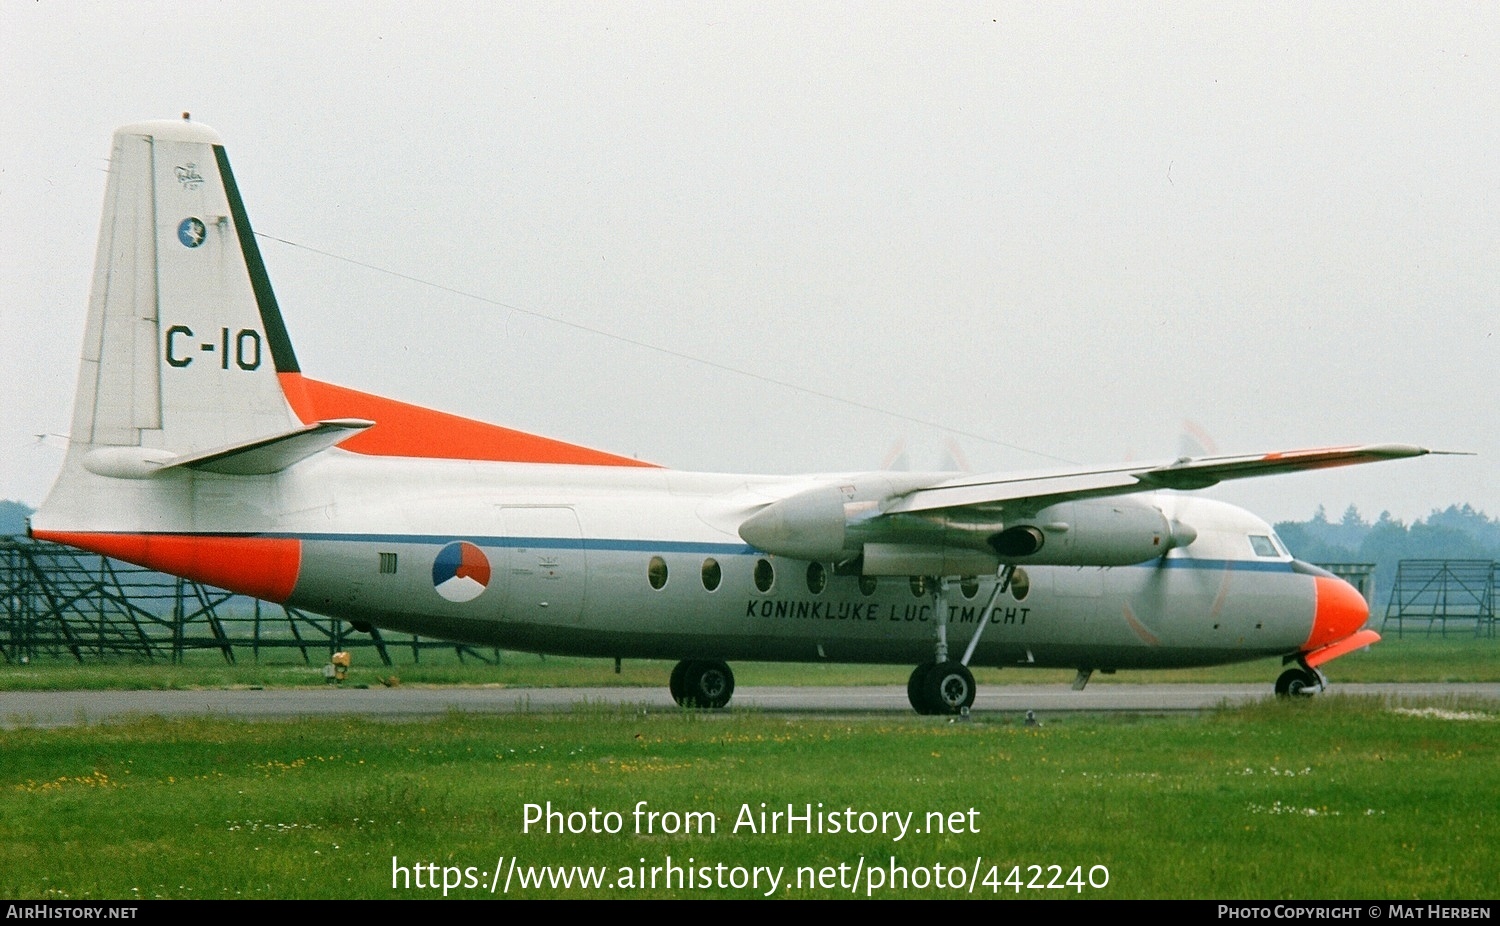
(199, 448)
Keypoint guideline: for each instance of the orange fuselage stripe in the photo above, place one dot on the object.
(403, 430)
(262, 567)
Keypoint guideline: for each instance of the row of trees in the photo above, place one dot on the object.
(1456, 532)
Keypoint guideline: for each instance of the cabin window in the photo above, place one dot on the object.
(867, 585)
(387, 564)
(765, 575)
(1263, 546)
(919, 586)
(656, 572)
(817, 578)
(1020, 584)
(969, 585)
(712, 574)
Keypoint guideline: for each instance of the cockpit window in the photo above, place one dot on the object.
(1263, 546)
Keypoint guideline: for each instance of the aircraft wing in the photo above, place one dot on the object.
(908, 521)
(1047, 488)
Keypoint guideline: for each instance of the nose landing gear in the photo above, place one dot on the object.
(1300, 682)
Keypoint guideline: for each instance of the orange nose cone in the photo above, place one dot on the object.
(1340, 611)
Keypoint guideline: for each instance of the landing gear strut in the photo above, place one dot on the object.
(946, 686)
(701, 683)
(1300, 682)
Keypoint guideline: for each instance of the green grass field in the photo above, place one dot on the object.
(1413, 659)
(1329, 798)
(1326, 798)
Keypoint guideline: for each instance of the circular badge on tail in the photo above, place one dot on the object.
(191, 233)
(461, 571)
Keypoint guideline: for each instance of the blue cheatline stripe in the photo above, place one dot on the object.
(667, 546)
(1238, 565)
(541, 543)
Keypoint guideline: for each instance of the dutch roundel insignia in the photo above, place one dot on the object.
(461, 571)
(191, 232)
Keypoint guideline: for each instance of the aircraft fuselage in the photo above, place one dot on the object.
(567, 555)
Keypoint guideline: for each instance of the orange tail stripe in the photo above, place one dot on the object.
(262, 567)
(403, 430)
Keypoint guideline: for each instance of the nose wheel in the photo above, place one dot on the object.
(1300, 682)
(701, 683)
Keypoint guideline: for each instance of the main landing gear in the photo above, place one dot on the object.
(938, 688)
(702, 683)
(944, 685)
(1300, 682)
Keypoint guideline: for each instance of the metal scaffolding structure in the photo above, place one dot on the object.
(63, 603)
(1359, 575)
(1438, 592)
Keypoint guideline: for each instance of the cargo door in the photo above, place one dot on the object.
(546, 563)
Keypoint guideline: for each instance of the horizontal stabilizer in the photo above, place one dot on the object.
(272, 454)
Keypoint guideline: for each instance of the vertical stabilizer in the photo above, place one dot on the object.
(184, 337)
(180, 358)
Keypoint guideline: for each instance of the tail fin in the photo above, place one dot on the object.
(184, 339)
(188, 377)
(186, 361)
(180, 359)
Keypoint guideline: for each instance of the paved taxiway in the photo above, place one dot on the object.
(71, 708)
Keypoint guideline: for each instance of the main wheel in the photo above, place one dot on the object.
(916, 689)
(950, 687)
(1297, 683)
(703, 683)
(941, 688)
(674, 685)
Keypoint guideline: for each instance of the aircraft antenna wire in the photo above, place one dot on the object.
(667, 351)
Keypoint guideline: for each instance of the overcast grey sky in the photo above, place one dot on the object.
(1064, 229)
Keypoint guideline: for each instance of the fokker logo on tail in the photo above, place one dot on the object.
(188, 176)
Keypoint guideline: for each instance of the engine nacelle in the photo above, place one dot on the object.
(1119, 531)
(836, 523)
(816, 524)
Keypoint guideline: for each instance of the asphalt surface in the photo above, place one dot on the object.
(77, 708)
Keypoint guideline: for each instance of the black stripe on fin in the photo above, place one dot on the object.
(265, 298)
